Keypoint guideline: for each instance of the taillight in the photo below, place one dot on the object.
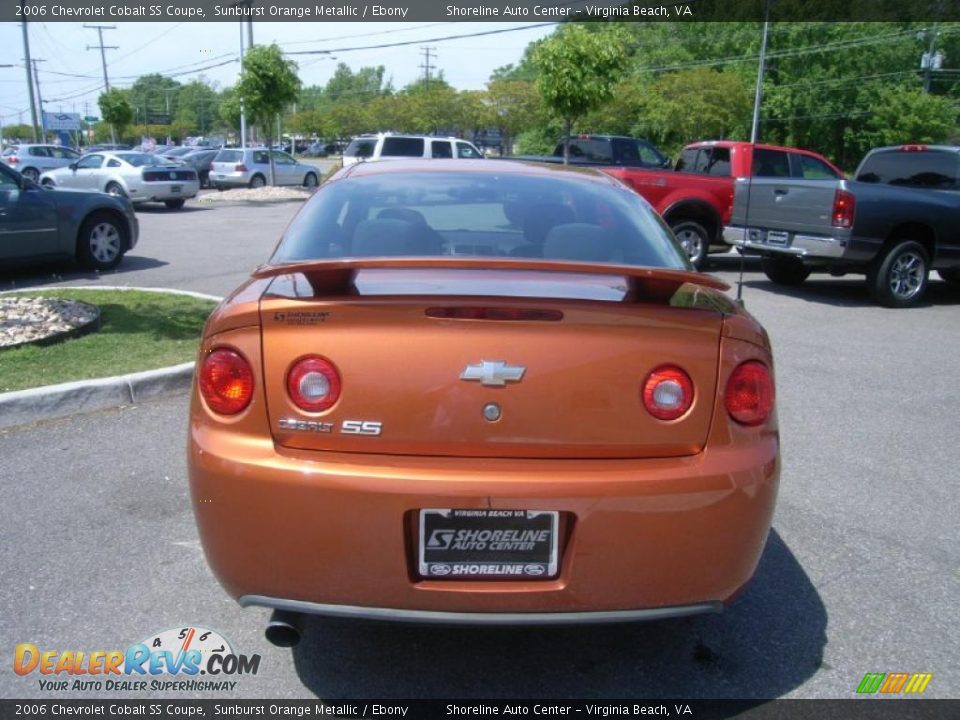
(913, 148)
(749, 393)
(13, 160)
(226, 381)
(313, 383)
(844, 207)
(240, 168)
(667, 392)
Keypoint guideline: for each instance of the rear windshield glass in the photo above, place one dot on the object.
(479, 215)
(362, 148)
(140, 159)
(230, 156)
(925, 169)
(402, 147)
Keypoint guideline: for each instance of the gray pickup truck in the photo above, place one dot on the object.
(898, 220)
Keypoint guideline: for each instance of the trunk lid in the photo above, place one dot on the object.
(420, 352)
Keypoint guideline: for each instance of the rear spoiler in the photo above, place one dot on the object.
(334, 277)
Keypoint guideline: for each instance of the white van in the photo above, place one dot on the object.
(387, 147)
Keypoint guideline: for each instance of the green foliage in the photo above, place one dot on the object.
(17, 131)
(268, 84)
(115, 109)
(196, 108)
(578, 70)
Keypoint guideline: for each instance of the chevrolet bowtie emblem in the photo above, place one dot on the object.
(494, 373)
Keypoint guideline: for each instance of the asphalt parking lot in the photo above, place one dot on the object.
(861, 572)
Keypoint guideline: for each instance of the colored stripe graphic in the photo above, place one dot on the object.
(918, 682)
(894, 682)
(871, 683)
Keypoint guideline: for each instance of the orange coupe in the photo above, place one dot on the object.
(488, 392)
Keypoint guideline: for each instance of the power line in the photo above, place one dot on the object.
(426, 66)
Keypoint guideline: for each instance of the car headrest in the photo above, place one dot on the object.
(578, 241)
(541, 217)
(405, 214)
(387, 237)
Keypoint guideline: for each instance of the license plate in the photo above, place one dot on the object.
(174, 188)
(777, 238)
(502, 544)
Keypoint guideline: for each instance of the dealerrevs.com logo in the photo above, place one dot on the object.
(167, 661)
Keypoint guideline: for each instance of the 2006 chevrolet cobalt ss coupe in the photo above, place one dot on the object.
(481, 393)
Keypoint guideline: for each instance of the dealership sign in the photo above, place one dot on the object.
(61, 121)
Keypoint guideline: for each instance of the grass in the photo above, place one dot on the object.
(139, 331)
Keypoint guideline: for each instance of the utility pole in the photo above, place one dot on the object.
(29, 67)
(103, 60)
(427, 67)
(758, 94)
(36, 79)
(931, 60)
(243, 113)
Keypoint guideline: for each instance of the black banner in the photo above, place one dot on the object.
(533, 11)
(858, 709)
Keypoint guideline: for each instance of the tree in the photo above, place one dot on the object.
(578, 70)
(512, 106)
(154, 96)
(115, 109)
(196, 107)
(267, 85)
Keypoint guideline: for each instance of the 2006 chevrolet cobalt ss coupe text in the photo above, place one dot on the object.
(481, 393)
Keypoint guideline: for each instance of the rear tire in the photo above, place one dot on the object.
(257, 181)
(174, 204)
(898, 278)
(31, 174)
(310, 180)
(695, 241)
(784, 270)
(102, 242)
(115, 190)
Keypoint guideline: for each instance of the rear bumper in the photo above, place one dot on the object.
(798, 244)
(158, 192)
(335, 533)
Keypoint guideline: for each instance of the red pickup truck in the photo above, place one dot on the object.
(696, 196)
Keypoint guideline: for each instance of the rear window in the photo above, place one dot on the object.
(229, 156)
(600, 151)
(479, 215)
(361, 147)
(402, 147)
(770, 163)
(932, 169)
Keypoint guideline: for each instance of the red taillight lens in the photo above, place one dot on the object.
(749, 395)
(240, 168)
(13, 159)
(313, 383)
(844, 207)
(226, 381)
(667, 392)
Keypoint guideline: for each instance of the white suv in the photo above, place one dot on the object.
(387, 147)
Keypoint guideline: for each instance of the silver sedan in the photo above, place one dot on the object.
(134, 175)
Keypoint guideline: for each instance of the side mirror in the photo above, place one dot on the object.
(72, 166)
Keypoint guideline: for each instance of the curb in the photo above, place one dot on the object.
(22, 407)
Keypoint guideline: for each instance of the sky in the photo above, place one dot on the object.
(175, 48)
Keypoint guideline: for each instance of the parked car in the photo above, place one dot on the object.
(37, 226)
(32, 160)
(176, 153)
(201, 160)
(897, 220)
(387, 146)
(250, 167)
(572, 425)
(317, 149)
(105, 148)
(138, 176)
(695, 197)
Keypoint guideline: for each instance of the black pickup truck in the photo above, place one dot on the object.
(895, 222)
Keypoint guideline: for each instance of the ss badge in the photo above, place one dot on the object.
(360, 427)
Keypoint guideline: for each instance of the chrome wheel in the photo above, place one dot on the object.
(115, 190)
(105, 242)
(693, 240)
(906, 275)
